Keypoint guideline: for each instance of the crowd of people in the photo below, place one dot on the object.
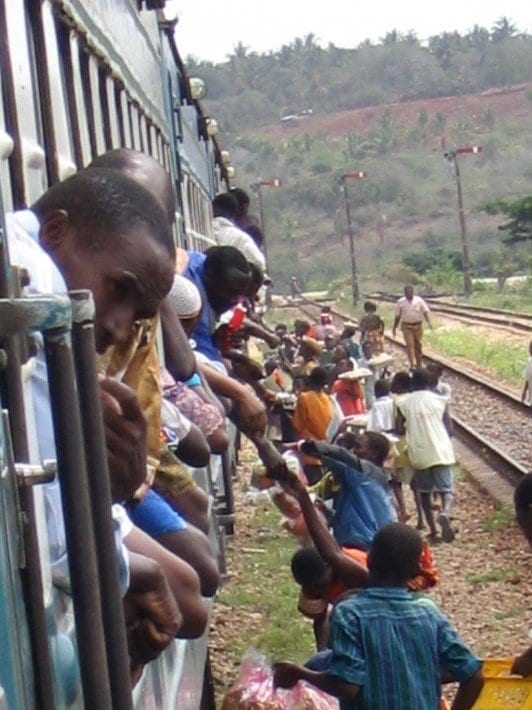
(323, 408)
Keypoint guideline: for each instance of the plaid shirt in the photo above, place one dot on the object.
(393, 644)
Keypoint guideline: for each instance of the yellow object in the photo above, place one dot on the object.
(501, 690)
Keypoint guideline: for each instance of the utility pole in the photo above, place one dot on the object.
(452, 157)
(354, 271)
(257, 189)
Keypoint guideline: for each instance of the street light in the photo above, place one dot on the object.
(466, 263)
(353, 175)
(257, 189)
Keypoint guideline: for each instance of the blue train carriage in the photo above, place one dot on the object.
(77, 79)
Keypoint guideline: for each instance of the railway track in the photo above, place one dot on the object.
(513, 320)
(489, 420)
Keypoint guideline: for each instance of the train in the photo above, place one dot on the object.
(78, 78)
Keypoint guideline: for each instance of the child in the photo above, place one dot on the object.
(312, 417)
(381, 411)
(369, 382)
(389, 647)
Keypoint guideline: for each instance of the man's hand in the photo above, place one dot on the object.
(250, 413)
(125, 436)
(272, 341)
(285, 674)
(394, 331)
(152, 615)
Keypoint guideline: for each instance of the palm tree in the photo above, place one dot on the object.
(503, 29)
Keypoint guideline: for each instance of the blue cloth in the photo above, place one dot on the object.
(194, 380)
(393, 644)
(202, 335)
(155, 516)
(320, 662)
(435, 478)
(363, 504)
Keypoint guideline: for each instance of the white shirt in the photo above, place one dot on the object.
(227, 234)
(380, 415)
(411, 311)
(427, 440)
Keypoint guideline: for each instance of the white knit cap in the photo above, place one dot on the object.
(185, 297)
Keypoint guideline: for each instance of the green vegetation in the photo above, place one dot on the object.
(266, 590)
(500, 520)
(494, 575)
(407, 203)
(505, 358)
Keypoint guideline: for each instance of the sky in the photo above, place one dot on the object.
(209, 30)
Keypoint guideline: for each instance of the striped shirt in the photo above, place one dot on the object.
(393, 644)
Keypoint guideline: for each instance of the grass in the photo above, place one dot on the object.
(265, 587)
(499, 574)
(500, 520)
(505, 358)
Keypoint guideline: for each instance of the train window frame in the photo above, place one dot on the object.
(99, 119)
(84, 66)
(63, 35)
(103, 74)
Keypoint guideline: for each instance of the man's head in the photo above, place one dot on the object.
(409, 292)
(400, 383)
(394, 555)
(435, 371)
(523, 506)
(185, 299)
(370, 307)
(317, 379)
(225, 205)
(280, 330)
(367, 349)
(143, 169)
(382, 388)
(108, 234)
(348, 331)
(373, 447)
(311, 571)
(226, 277)
(420, 380)
(242, 199)
(301, 328)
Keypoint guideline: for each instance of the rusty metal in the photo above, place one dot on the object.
(100, 494)
(79, 528)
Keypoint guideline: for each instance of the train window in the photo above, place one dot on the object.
(103, 74)
(149, 142)
(84, 66)
(84, 116)
(134, 123)
(26, 98)
(126, 120)
(67, 74)
(59, 110)
(143, 132)
(119, 113)
(114, 126)
(12, 188)
(7, 145)
(96, 106)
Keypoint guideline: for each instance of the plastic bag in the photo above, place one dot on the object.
(254, 690)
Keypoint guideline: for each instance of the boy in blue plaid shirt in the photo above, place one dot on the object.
(391, 649)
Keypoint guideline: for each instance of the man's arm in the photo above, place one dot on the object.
(524, 392)
(468, 692)
(286, 675)
(179, 356)
(351, 572)
(249, 411)
(396, 320)
(447, 421)
(259, 331)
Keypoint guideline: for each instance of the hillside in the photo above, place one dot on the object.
(390, 110)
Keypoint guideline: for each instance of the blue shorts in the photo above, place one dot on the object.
(436, 478)
(154, 516)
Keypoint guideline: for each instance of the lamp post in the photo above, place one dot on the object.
(257, 189)
(452, 157)
(354, 175)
